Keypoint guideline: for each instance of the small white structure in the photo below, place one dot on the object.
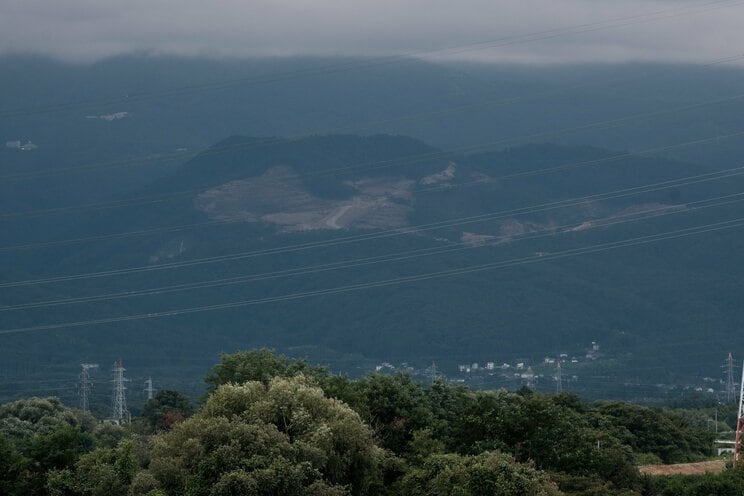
(114, 117)
(16, 145)
(490, 365)
(385, 367)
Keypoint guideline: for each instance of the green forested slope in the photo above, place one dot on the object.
(647, 305)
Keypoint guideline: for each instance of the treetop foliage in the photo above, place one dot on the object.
(271, 425)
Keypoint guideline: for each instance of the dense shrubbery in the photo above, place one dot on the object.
(275, 426)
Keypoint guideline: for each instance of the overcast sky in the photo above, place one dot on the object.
(613, 30)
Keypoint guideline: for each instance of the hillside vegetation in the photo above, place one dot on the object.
(307, 215)
(274, 426)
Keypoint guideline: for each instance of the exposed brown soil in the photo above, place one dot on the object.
(699, 468)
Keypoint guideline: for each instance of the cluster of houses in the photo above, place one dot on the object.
(520, 370)
(592, 353)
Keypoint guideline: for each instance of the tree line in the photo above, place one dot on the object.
(270, 425)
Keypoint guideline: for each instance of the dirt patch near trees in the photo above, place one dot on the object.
(699, 468)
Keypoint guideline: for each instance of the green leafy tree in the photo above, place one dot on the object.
(21, 419)
(541, 429)
(106, 471)
(665, 435)
(58, 449)
(284, 437)
(727, 483)
(54, 451)
(260, 365)
(13, 473)
(487, 474)
(166, 408)
(448, 404)
(61, 483)
(395, 407)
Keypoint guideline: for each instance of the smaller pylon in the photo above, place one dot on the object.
(558, 377)
(85, 385)
(149, 389)
(530, 379)
(728, 367)
(120, 412)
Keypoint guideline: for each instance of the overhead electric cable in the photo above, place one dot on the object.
(177, 228)
(736, 171)
(551, 231)
(642, 240)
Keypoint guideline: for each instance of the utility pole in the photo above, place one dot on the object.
(558, 377)
(85, 385)
(530, 377)
(739, 420)
(728, 366)
(120, 413)
(149, 389)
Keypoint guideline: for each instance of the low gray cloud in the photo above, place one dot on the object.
(533, 31)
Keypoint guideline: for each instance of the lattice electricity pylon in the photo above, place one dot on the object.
(728, 368)
(84, 390)
(120, 413)
(558, 377)
(739, 420)
(149, 389)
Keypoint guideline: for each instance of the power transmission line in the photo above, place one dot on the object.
(642, 240)
(736, 171)
(394, 257)
(178, 228)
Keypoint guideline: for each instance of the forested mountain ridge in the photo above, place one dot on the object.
(276, 212)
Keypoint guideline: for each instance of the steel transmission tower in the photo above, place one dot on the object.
(149, 389)
(730, 392)
(85, 385)
(739, 420)
(558, 378)
(530, 378)
(120, 413)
